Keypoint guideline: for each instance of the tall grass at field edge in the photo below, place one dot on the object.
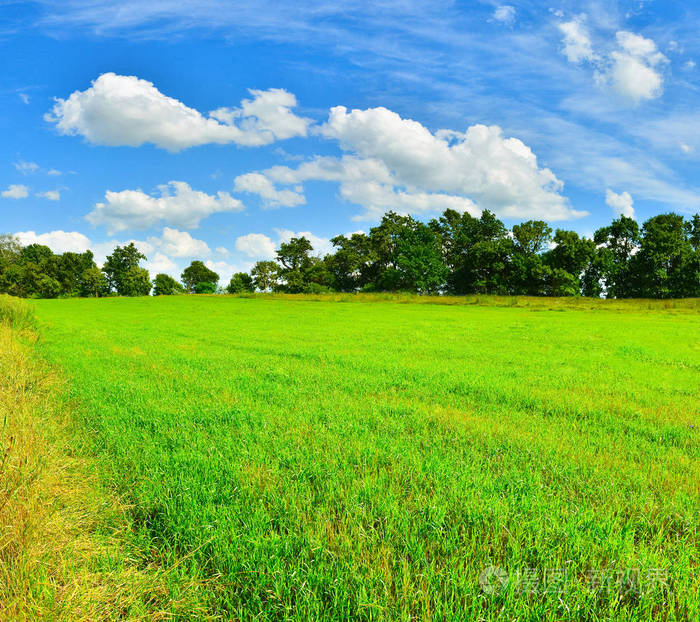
(64, 550)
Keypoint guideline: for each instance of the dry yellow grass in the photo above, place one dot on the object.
(64, 550)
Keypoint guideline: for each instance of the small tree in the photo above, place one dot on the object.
(123, 273)
(196, 273)
(240, 282)
(165, 285)
(137, 282)
(264, 275)
(94, 283)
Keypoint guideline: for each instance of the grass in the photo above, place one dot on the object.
(64, 550)
(324, 461)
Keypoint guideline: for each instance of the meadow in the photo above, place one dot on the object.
(300, 459)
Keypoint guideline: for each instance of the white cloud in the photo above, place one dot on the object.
(622, 204)
(269, 112)
(57, 241)
(398, 164)
(161, 264)
(24, 97)
(479, 167)
(223, 251)
(51, 195)
(577, 42)
(635, 69)
(256, 183)
(505, 13)
(685, 148)
(15, 191)
(179, 244)
(689, 65)
(256, 245)
(53, 172)
(26, 167)
(226, 270)
(367, 182)
(125, 110)
(178, 205)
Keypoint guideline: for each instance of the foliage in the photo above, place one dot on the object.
(165, 285)
(240, 283)
(123, 272)
(265, 275)
(455, 254)
(197, 273)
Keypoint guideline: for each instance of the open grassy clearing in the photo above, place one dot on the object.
(368, 461)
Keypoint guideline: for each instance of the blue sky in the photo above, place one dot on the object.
(214, 129)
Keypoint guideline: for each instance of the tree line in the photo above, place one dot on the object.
(454, 254)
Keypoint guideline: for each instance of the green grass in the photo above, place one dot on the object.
(316, 460)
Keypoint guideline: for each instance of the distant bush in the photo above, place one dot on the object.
(205, 287)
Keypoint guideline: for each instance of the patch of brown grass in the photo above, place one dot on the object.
(64, 550)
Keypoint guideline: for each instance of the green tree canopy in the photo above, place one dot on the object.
(123, 272)
(196, 273)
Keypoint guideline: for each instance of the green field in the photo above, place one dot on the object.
(308, 460)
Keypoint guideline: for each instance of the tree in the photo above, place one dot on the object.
(93, 283)
(69, 269)
(663, 264)
(165, 285)
(264, 275)
(240, 282)
(136, 282)
(10, 249)
(350, 265)
(122, 271)
(196, 273)
(295, 260)
(419, 259)
(616, 246)
(531, 237)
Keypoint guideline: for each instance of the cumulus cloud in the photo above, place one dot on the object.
(480, 167)
(256, 183)
(178, 205)
(179, 244)
(622, 204)
(15, 191)
(125, 110)
(226, 270)
(635, 68)
(505, 13)
(161, 264)
(51, 195)
(398, 164)
(57, 241)
(256, 246)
